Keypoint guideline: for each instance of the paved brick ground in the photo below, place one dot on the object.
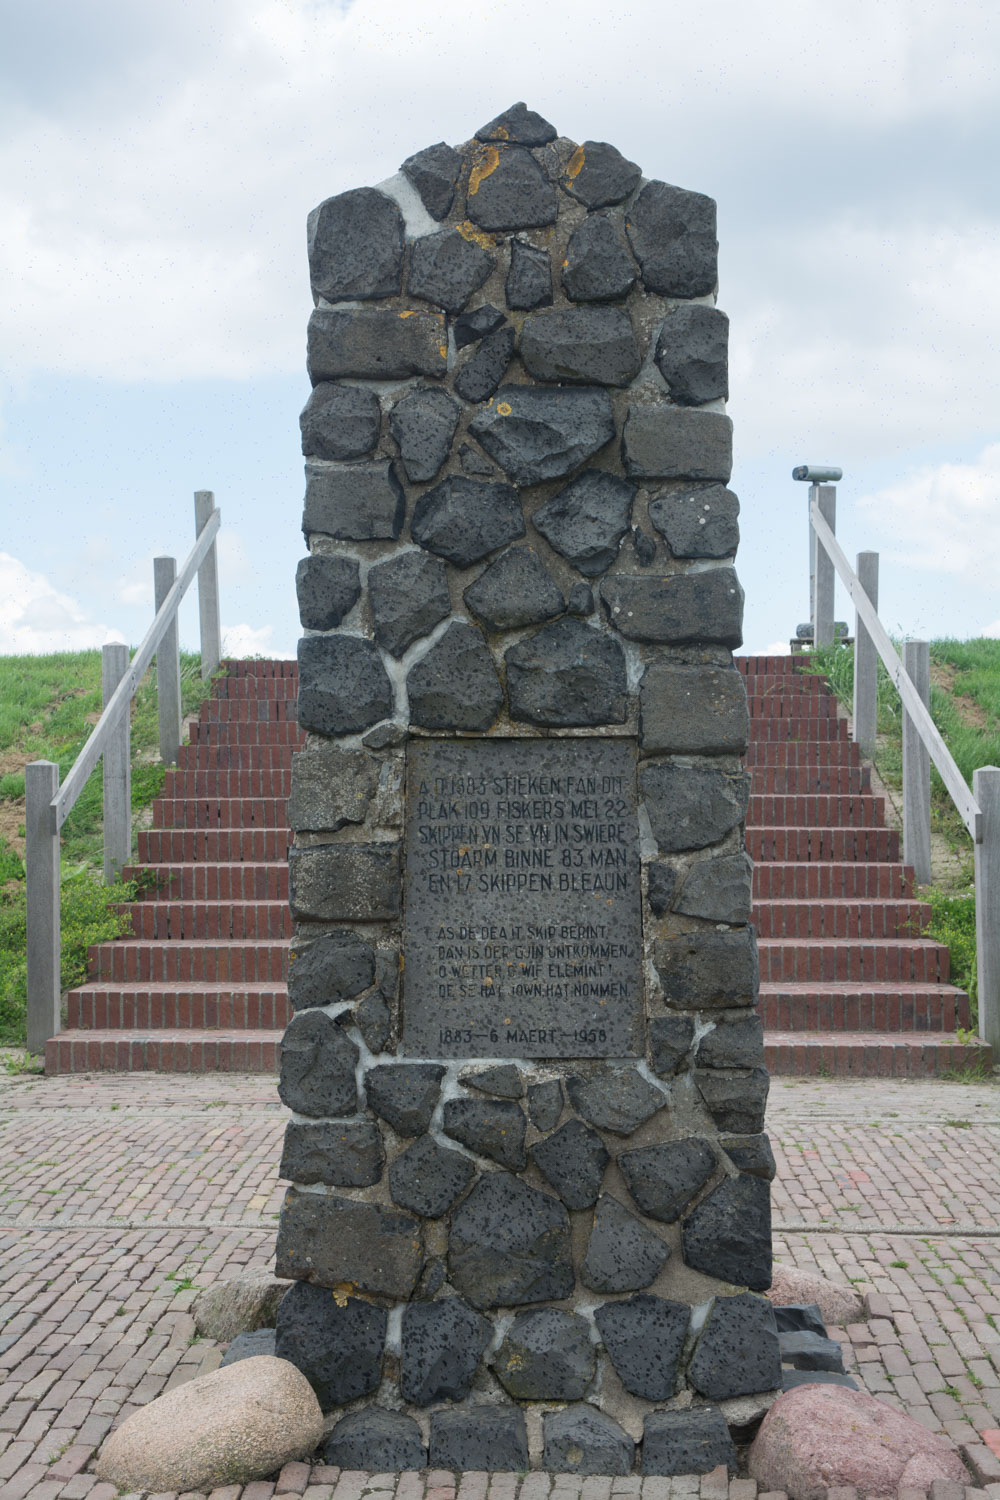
(121, 1195)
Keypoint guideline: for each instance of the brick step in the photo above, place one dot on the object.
(840, 919)
(275, 666)
(816, 811)
(163, 1052)
(807, 844)
(284, 732)
(768, 666)
(798, 728)
(829, 960)
(872, 1055)
(830, 880)
(167, 846)
(803, 706)
(210, 882)
(220, 812)
(862, 1007)
(226, 781)
(135, 959)
(248, 711)
(263, 688)
(809, 781)
(234, 757)
(802, 753)
(178, 1007)
(226, 921)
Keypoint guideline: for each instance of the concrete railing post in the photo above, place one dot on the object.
(866, 662)
(986, 790)
(208, 591)
(168, 666)
(917, 768)
(41, 783)
(117, 768)
(826, 497)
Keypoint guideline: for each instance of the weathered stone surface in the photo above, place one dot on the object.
(404, 1094)
(520, 126)
(584, 1440)
(474, 462)
(698, 523)
(623, 1254)
(340, 422)
(455, 686)
(546, 1355)
(481, 373)
(567, 674)
(695, 1441)
(446, 269)
(691, 807)
(598, 175)
(515, 590)
(329, 1240)
(737, 1351)
(490, 1127)
(543, 434)
(545, 1103)
(338, 1344)
(485, 1438)
(663, 1179)
(372, 344)
(839, 1304)
(729, 1234)
(502, 1079)
(802, 1317)
(249, 1346)
(675, 611)
(808, 1350)
(581, 600)
(645, 547)
(573, 1160)
(228, 1427)
(354, 502)
(356, 246)
(331, 787)
(336, 966)
(386, 736)
(661, 887)
(440, 1348)
(475, 325)
(581, 346)
(509, 1243)
(708, 969)
(670, 1039)
(598, 266)
(615, 1098)
(318, 1060)
(465, 519)
(644, 1337)
(718, 890)
(529, 280)
(344, 882)
(239, 1304)
(692, 354)
(427, 1178)
(667, 442)
(586, 521)
(374, 1020)
(696, 710)
(509, 190)
(732, 1044)
(342, 1155)
(790, 1379)
(343, 686)
(327, 589)
(409, 596)
(750, 1153)
(389, 1441)
(423, 425)
(434, 173)
(672, 232)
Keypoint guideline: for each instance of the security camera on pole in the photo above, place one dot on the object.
(822, 481)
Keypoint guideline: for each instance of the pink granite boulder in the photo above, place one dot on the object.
(839, 1304)
(820, 1437)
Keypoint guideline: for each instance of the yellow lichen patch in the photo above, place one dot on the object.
(504, 409)
(502, 133)
(575, 164)
(485, 164)
(342, 1291)
(443, 350)
(410, 314)
(476, 236)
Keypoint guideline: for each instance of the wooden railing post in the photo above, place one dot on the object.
(986, 790)
(917, 768)
(866, 662)
(41, 783)
(117, 767)
(168, 666)
(208, 590)
(826, 497)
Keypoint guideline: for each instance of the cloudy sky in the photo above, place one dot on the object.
(157, 164)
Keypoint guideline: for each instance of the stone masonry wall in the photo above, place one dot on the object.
(515, 1244)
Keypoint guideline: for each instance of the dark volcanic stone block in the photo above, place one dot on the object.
(404, 1094)
(615, 1098)
(729, 1234)
(529, 280)
(338, 1347)
(336, 966)
(800, 1317)
(465, 519)
(327, 589)
(423, 424)
(409, 596)
(331, 787)
(446, 269)
(732, 1044)
(791, 1378)
(340, 422)
(354, 502)
(318, 1060)
(581, 345)
(356, 246)
(623, 1254)
(673, 236)
(685, 608)
(690, 807)
(480, 375)
(509, 190)
(806, 1350)
(455, 686)
(663, 1179)
(645, 547)
(342, 1155)
(751, 1153)
(520, 126)
(502, 1079)
(567, 674)
(734, 1097)
(474, 462)
(644, 1337)
(344, 882)
(697, 710)
(249, 1346)
(546, 1355)
(490, 1127)
(598, 175)
(581, 600)
(515, 590)
(669, 442)
(708, 969)
(374, 1020)
(598, 267)
(692, 354)
(440, 1348)
(718, 890)
(388, 1439)
(661, 885)
(545, 1103)
(584, 1440)
(698, 523)
(510, 1243)
(434, 173)
(586, 521)
(329, 1240)
(543, 434)
(427, 1178)
(573, 1160)
(371, 344)
(737, 1352)
(670, 1039)
(687, 1442)
(485, 1438)
(475, 325)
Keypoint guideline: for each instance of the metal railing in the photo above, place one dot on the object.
(47, 804)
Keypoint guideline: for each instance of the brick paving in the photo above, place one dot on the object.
(121, 1195)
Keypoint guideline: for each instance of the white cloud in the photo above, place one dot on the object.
(245, 640)
(35, 617)
(944, 518)
(992, 632)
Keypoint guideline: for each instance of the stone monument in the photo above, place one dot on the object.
(529, 1219)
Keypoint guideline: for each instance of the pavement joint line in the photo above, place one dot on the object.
(913, 1231)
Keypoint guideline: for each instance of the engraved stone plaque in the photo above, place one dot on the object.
(523, 933)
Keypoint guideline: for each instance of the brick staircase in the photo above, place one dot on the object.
(848, 985)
